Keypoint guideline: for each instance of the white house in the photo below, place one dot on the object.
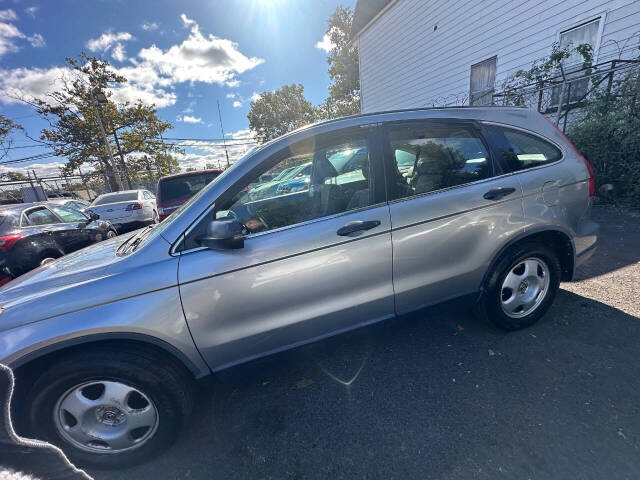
(416, 53)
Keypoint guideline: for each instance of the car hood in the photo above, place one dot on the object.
(79, 266)
(90, 277)
(33, 290)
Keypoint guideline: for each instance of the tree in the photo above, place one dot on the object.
(75, 132)
(6, 127)
(344, 91)
(278, 112)
(12, 176)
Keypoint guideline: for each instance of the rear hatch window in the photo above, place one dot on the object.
(183, 188)
(116, 197)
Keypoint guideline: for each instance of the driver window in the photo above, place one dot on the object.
(307, 183)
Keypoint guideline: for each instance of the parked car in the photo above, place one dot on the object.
(261, 190)
(126, 210)
(33, 234)
(110, 340)
(174, 190)
(76, 204)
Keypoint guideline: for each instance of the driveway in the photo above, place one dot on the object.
(439, 394)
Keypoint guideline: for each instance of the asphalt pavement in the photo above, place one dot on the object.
(439, 394)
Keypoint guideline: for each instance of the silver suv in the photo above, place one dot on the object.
(487, 203)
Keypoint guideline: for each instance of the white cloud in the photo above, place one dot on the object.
(105, 41)
(231, 95)
(118, 53)
(237, 104)
(199, 58)
(325, 44)
(30, 82)
(42, 169)
(189, 119)
(7, 15)
(10, 34)
(152, 74)
(36, 40)
(150, 26)
(255, 96)
(31, 11)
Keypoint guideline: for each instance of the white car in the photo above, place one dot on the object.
(126, 210)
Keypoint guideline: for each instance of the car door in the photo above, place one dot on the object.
(451, 210)
(76, 223)
(48, 223)
(314, 262)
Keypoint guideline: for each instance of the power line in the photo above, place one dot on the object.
(208, 139)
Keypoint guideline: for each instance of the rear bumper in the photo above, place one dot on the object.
(585, 242)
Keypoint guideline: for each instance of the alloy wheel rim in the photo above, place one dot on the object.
(105, 416)
(524, 288)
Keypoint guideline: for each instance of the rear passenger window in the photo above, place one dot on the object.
(427, 158)
(523, 150)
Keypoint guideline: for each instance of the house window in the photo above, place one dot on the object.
(483, 79)
(587, 33)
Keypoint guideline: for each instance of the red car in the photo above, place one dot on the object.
(174, 190)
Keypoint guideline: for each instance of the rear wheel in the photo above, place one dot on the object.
(109, 408)
(156, 219)
(522, 286)
(111, 234)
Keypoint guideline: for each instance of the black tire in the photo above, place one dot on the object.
(112, 233)
(491, 301)
(167, 383)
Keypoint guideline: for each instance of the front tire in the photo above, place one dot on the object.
(108, 408)
(522, 286)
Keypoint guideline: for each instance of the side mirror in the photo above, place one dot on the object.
(223, 234)
(94, 216)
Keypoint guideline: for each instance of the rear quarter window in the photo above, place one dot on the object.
(520, 150)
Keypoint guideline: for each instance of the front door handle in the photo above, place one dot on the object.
(498, 193)
(357, 226)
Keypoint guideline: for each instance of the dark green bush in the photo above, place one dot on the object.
(607, 132)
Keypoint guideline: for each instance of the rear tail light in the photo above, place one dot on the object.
(592, 179)
(7, 241)
(133, 206)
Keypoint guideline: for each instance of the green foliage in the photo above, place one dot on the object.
(278, 112)
(6, 127)
(514, 88)
(607, 132)
(74, 129)
(344, 90)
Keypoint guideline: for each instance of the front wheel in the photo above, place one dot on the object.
(522, 286)
(109, 408)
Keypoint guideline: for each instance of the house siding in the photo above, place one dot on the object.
(404, 63)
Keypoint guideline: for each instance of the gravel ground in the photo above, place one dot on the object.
(439, 395)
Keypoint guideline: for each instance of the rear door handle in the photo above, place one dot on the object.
(498, 193)
(357, 226)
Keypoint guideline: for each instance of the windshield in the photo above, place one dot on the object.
(115, 197)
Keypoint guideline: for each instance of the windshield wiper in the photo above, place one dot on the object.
(130, 244)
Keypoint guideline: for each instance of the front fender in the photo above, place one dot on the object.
(155, 317)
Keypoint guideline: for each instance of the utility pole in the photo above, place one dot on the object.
(84, 182)
(104, 138)
(224, 141)
(124, 165)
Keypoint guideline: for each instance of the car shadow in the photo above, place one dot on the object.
(434, 394)
(618, 242)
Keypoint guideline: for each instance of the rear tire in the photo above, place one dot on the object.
(72, 404)
(522, 286)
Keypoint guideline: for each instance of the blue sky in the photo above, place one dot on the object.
(180, 55)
